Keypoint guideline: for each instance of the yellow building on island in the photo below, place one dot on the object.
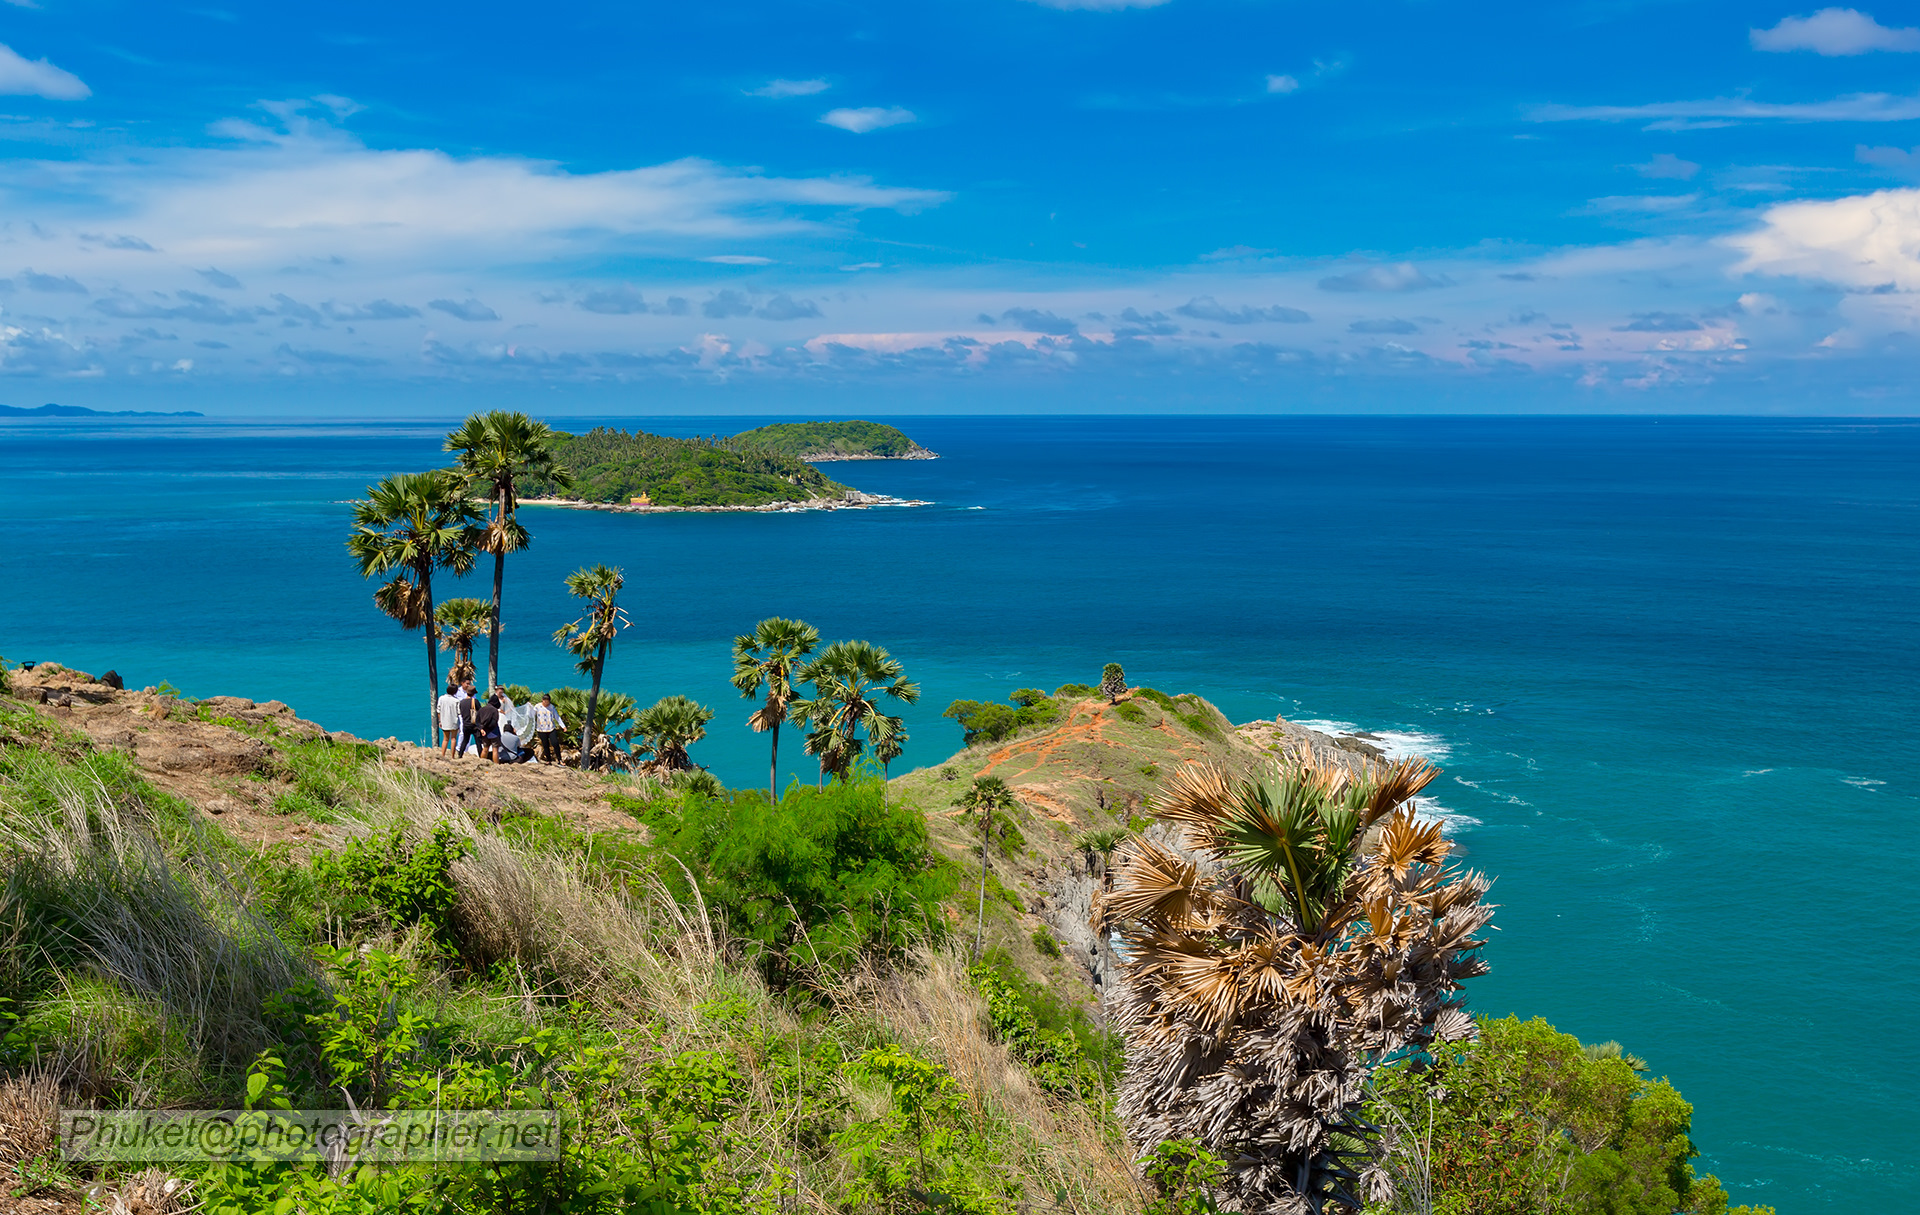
(643, 500)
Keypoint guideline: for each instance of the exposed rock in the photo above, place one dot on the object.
(112, 680)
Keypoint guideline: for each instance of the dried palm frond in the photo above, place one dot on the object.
(1266, 974)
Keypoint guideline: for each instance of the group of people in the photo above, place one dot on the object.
(492, 728)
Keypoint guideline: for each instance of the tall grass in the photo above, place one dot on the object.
(89, 890)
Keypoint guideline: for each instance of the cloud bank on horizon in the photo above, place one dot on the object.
(1047, 204)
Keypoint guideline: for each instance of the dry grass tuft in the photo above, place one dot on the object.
(29, 1116)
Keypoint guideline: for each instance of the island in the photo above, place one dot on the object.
(613, 469)
(817, 442)
(81, 411)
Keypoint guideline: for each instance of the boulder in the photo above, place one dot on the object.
(112, 680)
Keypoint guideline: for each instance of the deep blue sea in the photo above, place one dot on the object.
(1669, 666)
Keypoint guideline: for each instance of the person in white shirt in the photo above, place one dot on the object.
(547, 724)
(448, 707)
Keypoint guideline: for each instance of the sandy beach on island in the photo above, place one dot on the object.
(854, 500)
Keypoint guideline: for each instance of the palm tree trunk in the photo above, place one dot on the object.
(593, 702)
(773, 776)
(433, 657)
(980, 923)
(493, 632)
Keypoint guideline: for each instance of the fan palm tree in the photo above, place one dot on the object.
(590, 638)
(1309, 927)
(766, 658)
(989, 793)
(612, 716)
(847, 678)
(494, 450)
(461, 621)
(668, 728)
(408, 526)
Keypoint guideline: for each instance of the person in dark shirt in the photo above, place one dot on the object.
(486, 726)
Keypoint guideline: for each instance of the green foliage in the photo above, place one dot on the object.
(611, 465)
(1075, 691)
(815, 882)
(1150, 771)
(327, 776)
(1052, 1055)
(1157, 697)
(1184, 1173)
(988, 722)
(1113, 681)
(669, 726)
(1526, 1123)
(1129, 711)
(1043, 940)
(405, 882)
(803, 439)
(928, 1116)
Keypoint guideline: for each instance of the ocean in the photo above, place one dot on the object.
(1669, 666)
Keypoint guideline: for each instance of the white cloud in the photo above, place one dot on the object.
(1683, 115)
(738, 259)
(1866, 242)
(1666, 164)
(789, 88)
(38, 78)
(867, 118)
(1643, 204)
(1835, 31)
(1402, 277)
(1282, 84)
(1099, 6)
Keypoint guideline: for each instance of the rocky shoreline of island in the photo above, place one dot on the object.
(916, 452)
(853, 499)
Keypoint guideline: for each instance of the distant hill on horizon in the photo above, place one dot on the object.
(81, 411)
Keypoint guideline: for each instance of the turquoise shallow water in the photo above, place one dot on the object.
(1668, 664)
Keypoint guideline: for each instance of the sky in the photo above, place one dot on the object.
(1003, 205)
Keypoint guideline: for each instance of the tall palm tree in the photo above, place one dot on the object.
(989, 793)
(1310, 927)
(612, 715)
(766, 658)
(669, 727)
(461, 621)
(590, 638)
(494, 450)
(408, 526)
(847, 677)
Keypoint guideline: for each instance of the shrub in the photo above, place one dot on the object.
(1129, 711)
(406, 882)
(817, 881)
(1158, 697)
(1044, 942)
(1184, 1173)
(1075, 691)
(986, 721)
(1524, 1120)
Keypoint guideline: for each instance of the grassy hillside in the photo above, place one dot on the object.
(610, 465)
(832, 440)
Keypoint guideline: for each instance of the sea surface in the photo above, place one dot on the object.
(1669, 665)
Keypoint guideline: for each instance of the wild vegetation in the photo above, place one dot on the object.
(830, 440)
(609, 465)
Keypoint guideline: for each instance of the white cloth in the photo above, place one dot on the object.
(449, 706)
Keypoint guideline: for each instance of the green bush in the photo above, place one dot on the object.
(816, 882)
(987, 721)
(1055, 1042)
(403, 881)
(1157, 697)
(1184, 1174)
(1523, 1121)
(1043, 941)
(1075, 691)
(1129, 711)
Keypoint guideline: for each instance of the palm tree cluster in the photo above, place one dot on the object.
(412, 524)
(1299, 932)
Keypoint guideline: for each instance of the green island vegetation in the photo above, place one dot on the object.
(1116, 954)
(609, 465)
(832, 441)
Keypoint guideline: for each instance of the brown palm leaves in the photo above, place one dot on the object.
(1300, 930)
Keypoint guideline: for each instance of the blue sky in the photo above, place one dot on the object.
(1075, 205)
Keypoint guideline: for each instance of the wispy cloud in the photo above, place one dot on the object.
(1206, 308)
(1639, 204)
(1722, 111)
(1667, 165)
(738, 259)
(1835, 31)
(38, 78)
(1283, 84)
(469, 309)
(790, 88)
(867, 118)
(1404, 276)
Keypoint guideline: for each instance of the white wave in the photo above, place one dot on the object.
(1504, 796)
(1404, 744)
(1756, 771)
(1327, 727)
(1863, 782)
(1451, 821)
